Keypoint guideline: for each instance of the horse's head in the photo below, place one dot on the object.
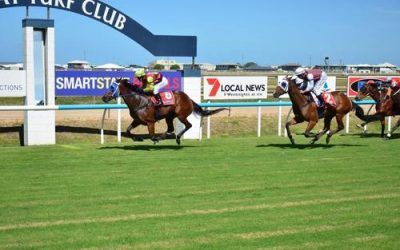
(118, 88)
(367, 89)
(281, 88)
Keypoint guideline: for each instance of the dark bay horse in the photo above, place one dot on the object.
(385, 106)
(372, 89)
(304, 110)
(144, 112)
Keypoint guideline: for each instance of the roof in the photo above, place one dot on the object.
(257, 67)
(386, 65)
(78, 62)
(109, 66)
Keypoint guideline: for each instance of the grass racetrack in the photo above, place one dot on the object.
(225, 193)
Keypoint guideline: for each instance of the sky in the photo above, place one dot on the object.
(234, 31)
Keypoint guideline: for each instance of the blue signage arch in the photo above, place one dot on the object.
(158, 45)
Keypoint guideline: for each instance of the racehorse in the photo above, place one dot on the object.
(304, 110)
(385, 106)
(371, 89)
(144, 112)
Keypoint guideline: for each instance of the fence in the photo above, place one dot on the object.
(259, 105)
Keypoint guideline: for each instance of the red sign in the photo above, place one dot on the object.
(355, 83)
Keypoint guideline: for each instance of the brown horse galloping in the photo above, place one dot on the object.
(372, 90)
(144, 112)
(385, 106)
(304, 110)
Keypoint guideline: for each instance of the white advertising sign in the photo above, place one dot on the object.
(235, 87)
(329, 86)
(12, 83)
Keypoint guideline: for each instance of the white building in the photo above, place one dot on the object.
(166, 63)
(78, 64)
(110, 67)
(384, 68)
(11, 66)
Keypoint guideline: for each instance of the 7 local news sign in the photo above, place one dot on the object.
(239, 87)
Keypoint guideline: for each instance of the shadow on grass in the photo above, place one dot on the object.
(85, 130)
(309, 146)
(79, 130)
(395, 136)
(147, 147)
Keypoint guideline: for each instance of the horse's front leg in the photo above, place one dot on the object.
(289, 133)
(133, 125)
(383, 124)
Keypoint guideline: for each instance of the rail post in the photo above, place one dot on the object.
(259, 120)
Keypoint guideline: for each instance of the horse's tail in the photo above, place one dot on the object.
(359, 111)
(203, 113)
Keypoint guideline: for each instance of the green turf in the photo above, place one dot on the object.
(225, 193)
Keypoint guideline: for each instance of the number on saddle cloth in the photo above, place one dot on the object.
(168, 98)
(329, 99)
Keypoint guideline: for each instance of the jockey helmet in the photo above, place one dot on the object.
(150, 79)
(371, 82)
(300, 71)
(140, 73)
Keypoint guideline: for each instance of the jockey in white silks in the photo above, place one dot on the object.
(314, 81)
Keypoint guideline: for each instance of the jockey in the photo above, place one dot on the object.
(152, 82)
(314, 80)
(392, 84)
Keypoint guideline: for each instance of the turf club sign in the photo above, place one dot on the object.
(156, 44)
(90, 8)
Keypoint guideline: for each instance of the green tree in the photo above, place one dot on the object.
(158, 67)
(250, 64)
(175, 67)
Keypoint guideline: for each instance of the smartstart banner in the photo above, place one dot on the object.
(228, 88)
(12, 83)
(355, 83)
(96, 83)
(329, 86)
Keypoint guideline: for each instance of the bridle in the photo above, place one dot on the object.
(116, 93)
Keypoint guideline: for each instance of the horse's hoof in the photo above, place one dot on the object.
(388, 136)
(328, 140)
(178, 141)
(292, 141)
(312, 142)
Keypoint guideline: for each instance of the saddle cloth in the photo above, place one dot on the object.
(168, 98)
(329, 99)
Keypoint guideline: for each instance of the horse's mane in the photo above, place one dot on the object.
(131, 86)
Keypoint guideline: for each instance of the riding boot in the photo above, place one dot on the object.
(321, 101)
(159, 100)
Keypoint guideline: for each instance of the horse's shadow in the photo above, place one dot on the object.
(375, 135)
(146, 147)
(306, 146)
